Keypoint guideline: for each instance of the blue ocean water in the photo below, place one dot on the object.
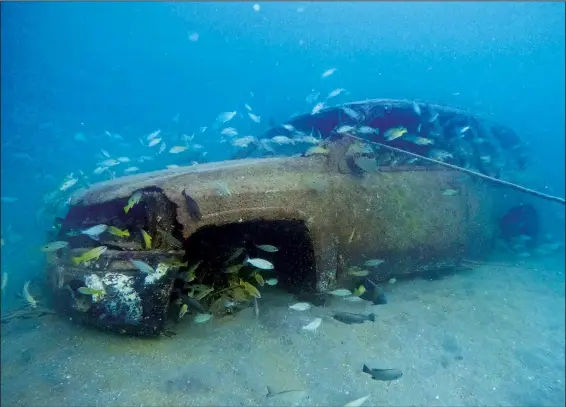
(78, 78)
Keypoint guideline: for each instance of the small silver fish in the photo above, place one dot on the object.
(341, 292)
(373, 262)
(335, 93)
(142, 266)
(254, 117)
(312, 97)
(94, 231)
(283, 140)
(417, 108)
(68, 184)
(225, 117)
(260, 263)
(344, 129)
(421, 141)
(153, 135)
(27, 296)
(317, 108)
(440, 155)
(4, 280)
(367, 130)
(229, 131)
(357, 272)
(351, 113)
(313, 325)
(267, 248)
(301, 306)
(54, 246)
(244, 141)
(201, 318)
(108, 163)
(464, 129)
(353, 298)
(328, 72)
(307, 139)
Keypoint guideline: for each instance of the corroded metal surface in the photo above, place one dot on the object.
(329, 214)
(133, 303)
(399, 216)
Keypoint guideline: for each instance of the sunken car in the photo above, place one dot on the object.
(345, 213)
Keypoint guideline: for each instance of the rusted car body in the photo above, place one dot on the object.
(322, 215)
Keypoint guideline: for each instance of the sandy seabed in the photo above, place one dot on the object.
(490, 336)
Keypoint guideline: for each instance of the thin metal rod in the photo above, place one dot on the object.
(477, 174)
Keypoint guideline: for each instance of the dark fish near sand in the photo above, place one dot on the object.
(192, 206)
(351, 318)
(376, 295)
(385, 375)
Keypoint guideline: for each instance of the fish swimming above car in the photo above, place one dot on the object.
(328, 72)
(54, 246)
(421, 141)
(225, 117)
(394, 133)
(92, 254)
(113, 230)
(134, 199)
(95, 231)
(317, 108)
